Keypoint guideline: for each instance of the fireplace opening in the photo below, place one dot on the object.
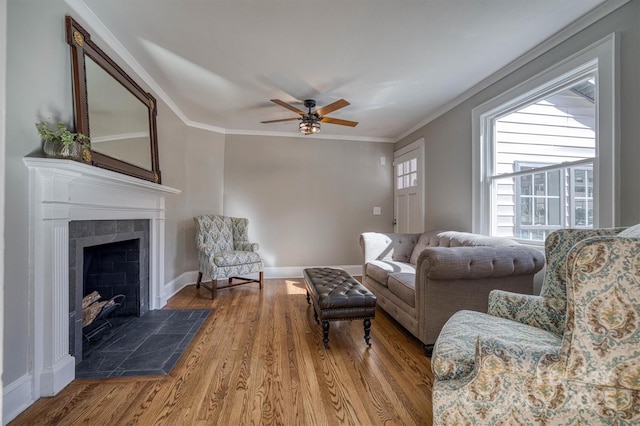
(109, 258)
(113, 269)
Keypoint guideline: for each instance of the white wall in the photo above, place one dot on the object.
(448, 137)
(308, 199)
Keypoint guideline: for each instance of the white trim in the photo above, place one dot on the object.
(202, 126)
(107, 36)
(315, 136)
(16, 397)
(283, 272)
(561, 36)
(101, 30)
(603, 55)
(61, 191)
(270, 272)
(183, 280)
(420, 145)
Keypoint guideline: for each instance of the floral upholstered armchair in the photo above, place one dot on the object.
(224, 251)
(568, 356)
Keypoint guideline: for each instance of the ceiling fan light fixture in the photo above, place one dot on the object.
(309, 127)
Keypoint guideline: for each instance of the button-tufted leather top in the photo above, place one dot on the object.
(335, 289)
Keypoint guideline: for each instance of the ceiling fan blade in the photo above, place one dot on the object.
(339, 121)
(287, 106)
(332, 107)
(282, 119)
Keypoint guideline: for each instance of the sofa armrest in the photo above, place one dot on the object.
(455, 263)
(544, 313)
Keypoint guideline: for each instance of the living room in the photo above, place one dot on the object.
(307, 199)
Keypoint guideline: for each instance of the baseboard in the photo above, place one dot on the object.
(17, 397)
(296, 271)
(281, 272)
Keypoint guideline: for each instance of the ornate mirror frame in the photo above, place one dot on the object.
(81, 47)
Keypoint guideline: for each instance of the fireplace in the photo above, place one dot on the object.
(110, 257)
(62, 192)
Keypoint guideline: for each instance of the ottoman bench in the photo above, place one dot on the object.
(337, 296)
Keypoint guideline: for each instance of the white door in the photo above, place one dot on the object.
(408, 165)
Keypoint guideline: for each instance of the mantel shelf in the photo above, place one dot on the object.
(87, 171)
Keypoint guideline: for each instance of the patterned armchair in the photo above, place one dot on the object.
(224, 251)
(568, 356)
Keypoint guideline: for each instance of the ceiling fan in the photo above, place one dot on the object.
(310, 120)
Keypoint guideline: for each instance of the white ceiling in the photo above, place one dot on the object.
(397, 62)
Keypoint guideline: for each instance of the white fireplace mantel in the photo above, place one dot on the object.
(61, 191)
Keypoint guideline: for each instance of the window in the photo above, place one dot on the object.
(543, 152)
(407, 174)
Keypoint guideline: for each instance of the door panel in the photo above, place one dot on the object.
(409, 190)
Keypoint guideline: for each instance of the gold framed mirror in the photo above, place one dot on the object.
(111, 108)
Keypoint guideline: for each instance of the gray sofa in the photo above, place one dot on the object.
(423, 279)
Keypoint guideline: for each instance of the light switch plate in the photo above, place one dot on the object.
(377, 211)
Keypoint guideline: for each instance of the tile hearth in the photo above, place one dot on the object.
(141, 346)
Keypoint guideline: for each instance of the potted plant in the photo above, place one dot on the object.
(59, 141)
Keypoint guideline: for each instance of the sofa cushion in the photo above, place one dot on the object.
(380, 269)
(232, 258)
(403, 247)
(454, 351)
(403, 285)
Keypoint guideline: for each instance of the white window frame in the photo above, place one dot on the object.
(600, 57)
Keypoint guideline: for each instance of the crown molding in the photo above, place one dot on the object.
(86, 15)
(561, 36)
(315, 136)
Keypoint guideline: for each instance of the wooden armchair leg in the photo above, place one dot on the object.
(199, 280)
(214, 289)
(261, 279)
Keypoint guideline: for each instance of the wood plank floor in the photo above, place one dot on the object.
(259, 359)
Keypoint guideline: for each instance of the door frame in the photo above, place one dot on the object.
(420, 145)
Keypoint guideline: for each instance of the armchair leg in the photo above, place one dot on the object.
(261, 279)
(213, 288)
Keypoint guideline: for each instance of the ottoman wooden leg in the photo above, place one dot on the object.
(367, 329)
(325, 334)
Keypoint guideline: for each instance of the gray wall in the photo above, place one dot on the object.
(38, 86)
(204, 166)
(448, 160)
(308, 199)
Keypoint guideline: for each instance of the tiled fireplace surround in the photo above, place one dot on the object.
(61, 191)
(85, 234)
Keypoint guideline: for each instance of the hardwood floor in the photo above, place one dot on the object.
(259, 359)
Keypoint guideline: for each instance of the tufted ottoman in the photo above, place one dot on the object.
(338, 296)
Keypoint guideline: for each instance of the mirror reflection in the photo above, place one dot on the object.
(118, 120)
